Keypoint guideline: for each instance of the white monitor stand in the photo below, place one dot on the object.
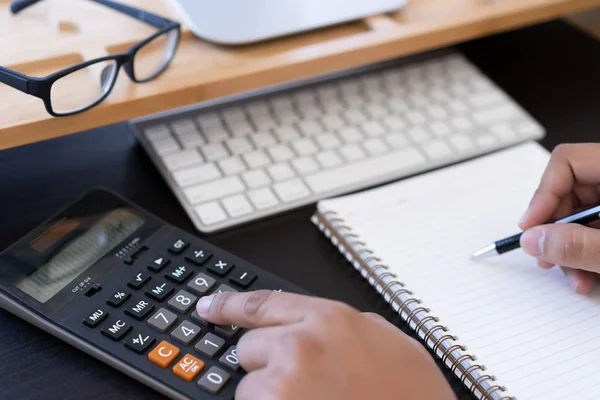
(235, 22)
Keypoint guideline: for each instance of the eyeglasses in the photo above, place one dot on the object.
(71, 91)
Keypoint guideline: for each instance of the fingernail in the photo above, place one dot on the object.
(572, 277)
(523, 217)
(532, 241)
(204, 304)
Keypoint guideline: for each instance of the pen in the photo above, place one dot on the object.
(513, 242)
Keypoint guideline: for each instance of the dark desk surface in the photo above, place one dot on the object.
(552, 70)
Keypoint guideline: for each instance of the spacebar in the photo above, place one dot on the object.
(360, 171)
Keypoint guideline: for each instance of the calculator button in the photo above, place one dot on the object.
(163, 354)
(95, 318)
(116, 329)
(198, 256)
(162, 320)
(224, 289)
(188, 367)
(220, 267)
(139, 342)
(128, 261)
(243, 278)
(138, 280)
(201, 284)
(158, 263)
(139, 308)
(197, 318)
(227, 330)
(186, 332)
(210, 345)
(230, 359)
(160, 292)
(214, 380)
(182, 301)
(178, 246)
(179, 273)
(118, 298)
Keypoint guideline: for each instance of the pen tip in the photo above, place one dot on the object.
(486, 251)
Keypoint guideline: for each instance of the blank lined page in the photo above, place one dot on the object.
(539, 338)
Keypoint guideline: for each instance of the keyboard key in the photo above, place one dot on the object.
(240, 128)
(310, 128)
(214, 380)
(158, 263)
(280, 152)
(138, 280)
(182, 301)
(287, 133)
(332, 121)
(227, 330)
(194, 175)
(198, 256)
(179, 273)
(178, 246)
(304, 147)
(375, 146)
(162, 320)
(196, 317)
(305, 165)
(230, 359)
(210, 213)
(242, 278)
(186, 158)
(397, 140)
(214, 190)
(416, 117)
(256, 179)
(139, 308)
(529, 128)
(437, 149)
(418, 134)
(352, 152)
(394, 123)
(118, 298)
(220, 267)
(232, 166)
(462, 124)
(263, 139)
(157, 132)
(354, 116)
(201, 284)
(95, 318)
(256, 159)
(209, 345)
(291, 190)
(458, 106)
(115, 328)
(165, 146)
(225, 289)
(237, 205)
(351, 135)
(190, 142)
(495, 115)
(215, 151)
(263, 198)
(164, 354)
(376, 110)
(139, 342)
(188, 368)
(440, 129)
(329, 159)
(485, 99)
(461, 142)
(281, 172)
(486, 141)
(185, 333)
(264, 122)
(208, 120)
(160, 292)
(404, 160)
(328, 141)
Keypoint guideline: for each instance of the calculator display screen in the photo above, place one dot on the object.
(79, 254)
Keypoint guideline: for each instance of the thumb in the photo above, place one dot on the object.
(567, 245)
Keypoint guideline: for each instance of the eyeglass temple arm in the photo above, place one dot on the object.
(14, 79)
(145, 16)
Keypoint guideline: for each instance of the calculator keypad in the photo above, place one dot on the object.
(162, 296)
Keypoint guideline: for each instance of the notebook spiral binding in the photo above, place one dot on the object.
(435, 335)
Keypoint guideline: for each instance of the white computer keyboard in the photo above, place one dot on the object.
(236, 161)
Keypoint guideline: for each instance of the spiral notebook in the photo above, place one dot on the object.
(505, 328)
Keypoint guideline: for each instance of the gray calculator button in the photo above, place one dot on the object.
(214, 380)
(197, 318)
(182, 301)
(225, 288)
(230, 359)
(227, 330)
(201, 284)
(209, 345)
(186, 332)
(162, 320)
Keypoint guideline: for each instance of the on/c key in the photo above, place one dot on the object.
(163, 354)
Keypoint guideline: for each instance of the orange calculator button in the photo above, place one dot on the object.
(188, 367)
(163, 354)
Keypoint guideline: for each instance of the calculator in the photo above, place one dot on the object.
(118, 283)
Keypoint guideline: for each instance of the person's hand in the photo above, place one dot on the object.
(570, 183)
(301, 347)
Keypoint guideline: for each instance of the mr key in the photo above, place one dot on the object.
(121, 285)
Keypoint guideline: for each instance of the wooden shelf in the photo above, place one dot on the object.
(57, 33)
